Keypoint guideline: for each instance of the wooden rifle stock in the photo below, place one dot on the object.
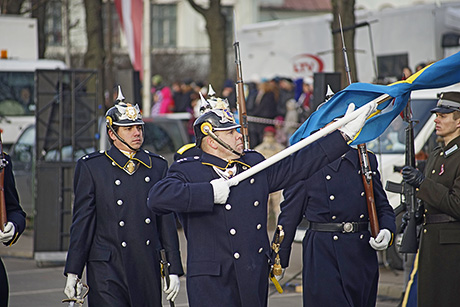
(366, 173)
(3, 216)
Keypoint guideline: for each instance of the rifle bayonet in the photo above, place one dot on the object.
(240, 99)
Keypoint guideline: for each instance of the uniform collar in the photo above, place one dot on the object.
(453, 146)
(121, 160)
(212, 160)
(351, 156)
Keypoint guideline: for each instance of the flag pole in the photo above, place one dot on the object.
(307, 141)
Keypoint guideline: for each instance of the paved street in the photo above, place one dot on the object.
(42, 286)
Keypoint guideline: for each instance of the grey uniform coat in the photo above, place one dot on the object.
(228, 250)
(115, 235)
(439, 254)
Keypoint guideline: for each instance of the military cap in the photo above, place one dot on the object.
(448, 102)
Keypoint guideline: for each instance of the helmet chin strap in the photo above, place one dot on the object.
(225, 145)
(121, 139)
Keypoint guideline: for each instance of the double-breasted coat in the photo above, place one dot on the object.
(113, 232)
(439, 253)
(228, 250)
(14, 214)
(339, 269)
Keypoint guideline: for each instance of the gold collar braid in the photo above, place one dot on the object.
(228, 164)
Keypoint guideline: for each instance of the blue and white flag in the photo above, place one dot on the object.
(439, 74)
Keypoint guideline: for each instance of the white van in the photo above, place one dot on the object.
(17, 105)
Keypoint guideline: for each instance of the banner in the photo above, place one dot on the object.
(130, 13)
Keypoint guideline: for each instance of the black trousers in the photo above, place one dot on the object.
(3, 286)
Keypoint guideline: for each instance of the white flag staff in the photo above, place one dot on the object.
(308, 140)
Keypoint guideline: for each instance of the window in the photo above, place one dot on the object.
(164, 25)
(391, 66)
(16, 93)
(53, 24)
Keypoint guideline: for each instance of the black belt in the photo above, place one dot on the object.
(438, 218)
(345, 227)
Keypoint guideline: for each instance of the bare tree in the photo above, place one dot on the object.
(12, 7)
(95, 54)
(215, 27)
(346, 10)
(39, 12)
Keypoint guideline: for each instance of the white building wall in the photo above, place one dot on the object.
(382, 4)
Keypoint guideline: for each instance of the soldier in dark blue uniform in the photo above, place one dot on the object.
(113, 232)
(188, 150)
(340, 266)
(16, 221)
(228, 250)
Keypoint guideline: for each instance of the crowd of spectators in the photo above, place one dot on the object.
(280, 102)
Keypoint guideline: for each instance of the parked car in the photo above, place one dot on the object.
(163, 135)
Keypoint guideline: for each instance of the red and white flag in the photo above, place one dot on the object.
(130, 13)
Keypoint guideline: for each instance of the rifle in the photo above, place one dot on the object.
(241, 102)
(368, 189)
(366, 171)
(165, 270)
(3, 163)
(409, 242)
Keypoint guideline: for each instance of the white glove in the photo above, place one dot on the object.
(8, 232)
(279, 277)
(381, 241)
(353, 127)
(174, 286)
(221, 189)
(73, 286)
